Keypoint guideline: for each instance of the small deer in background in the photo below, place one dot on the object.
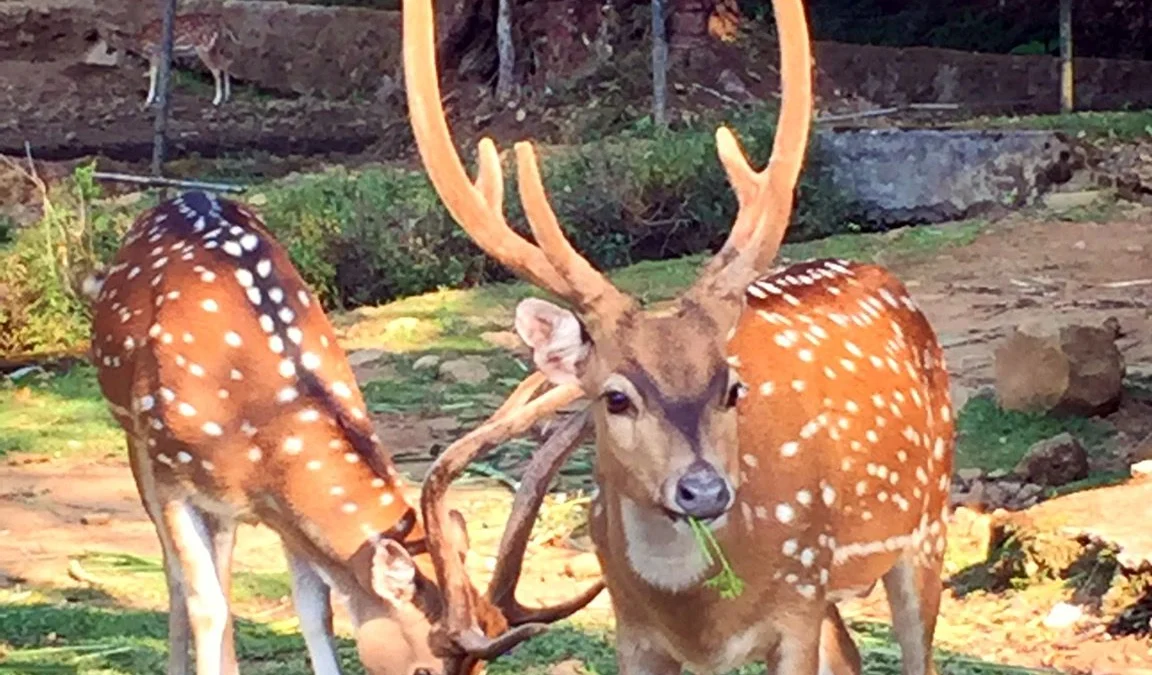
(801, 418)
(239, 406)
(192, 35)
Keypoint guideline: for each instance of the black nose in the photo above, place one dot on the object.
(702, 492)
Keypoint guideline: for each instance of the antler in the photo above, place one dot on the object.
(478, 207)
(765, 198)
(463, 641)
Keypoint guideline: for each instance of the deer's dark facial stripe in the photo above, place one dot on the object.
(685, 414)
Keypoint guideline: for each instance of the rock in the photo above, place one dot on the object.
(972, 498)
(468, 370)
(1071, 369)
(1063, 615)
(443, 424)
(505, 339)
(1142, 470)
(969, 475)
(96, 518)
(426, 362)
(363, 357)
(1053, 462)
(1060, 202)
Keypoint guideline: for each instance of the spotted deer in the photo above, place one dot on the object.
(239, 406)
(802, 415)
(192, 35)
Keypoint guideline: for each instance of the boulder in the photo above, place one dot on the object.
(1065, 368)
(426, 362)
(467, 370)
(1053, 462)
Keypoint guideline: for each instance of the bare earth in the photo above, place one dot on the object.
(1017, 270)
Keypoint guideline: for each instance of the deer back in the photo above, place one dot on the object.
(216, 358)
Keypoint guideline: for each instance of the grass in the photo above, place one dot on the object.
(50, 632)
(991, 438)
(454, 319)
(57, 415)
(1119, 125)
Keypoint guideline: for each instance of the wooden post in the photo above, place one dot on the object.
(163, 77)
(506, 51)
(659, 66)
(1067, 72)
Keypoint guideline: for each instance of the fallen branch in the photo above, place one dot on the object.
(159, 181)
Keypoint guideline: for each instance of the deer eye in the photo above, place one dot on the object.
(618, 402)
(735, 393)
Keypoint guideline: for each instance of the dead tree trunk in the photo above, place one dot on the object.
(506, 51)
(659, 66)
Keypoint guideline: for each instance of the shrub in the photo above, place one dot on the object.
(381, 233)
(41, 309)
(374, 235)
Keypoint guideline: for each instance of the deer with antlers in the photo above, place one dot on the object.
(803, 417)
(239, 406)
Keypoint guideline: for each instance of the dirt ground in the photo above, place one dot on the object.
(1018, 269)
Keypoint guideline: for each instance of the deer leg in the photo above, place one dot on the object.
(207, 604)
(227, 86)
(216, 100)
(838, 652)
(152, 69)
(313, 600)
(913, 588)
(635, 655)
(800, 646)
(179, 631)
(222, 533)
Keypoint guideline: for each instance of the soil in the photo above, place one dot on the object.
(1016, 270)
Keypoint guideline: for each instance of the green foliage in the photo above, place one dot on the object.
(1124, 125)
(990, 438)
(41, 309)
(368, 237)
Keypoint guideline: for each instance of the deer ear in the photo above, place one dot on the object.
(559, 344)
(393, 572)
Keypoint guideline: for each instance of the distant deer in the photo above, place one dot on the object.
(192, 35)
(239, 406)
(802, 416)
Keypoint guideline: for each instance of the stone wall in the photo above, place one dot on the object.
(335, 51)
(983, 82)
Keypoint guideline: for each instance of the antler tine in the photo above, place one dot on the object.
(546, 461)
(594, 289)
(478, 208)
(513, 418)
(766, 197)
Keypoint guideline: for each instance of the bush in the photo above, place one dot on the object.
(375, 235)
(372, 236)
(41, 309)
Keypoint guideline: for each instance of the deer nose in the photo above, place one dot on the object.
(702, 492)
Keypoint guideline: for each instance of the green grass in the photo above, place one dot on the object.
(57, 415)
(50, 631)
(991, 438)
(1120, 125)
(453, 319)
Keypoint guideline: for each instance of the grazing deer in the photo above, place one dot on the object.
(803, 417)
(192, 35)
(239, 406)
